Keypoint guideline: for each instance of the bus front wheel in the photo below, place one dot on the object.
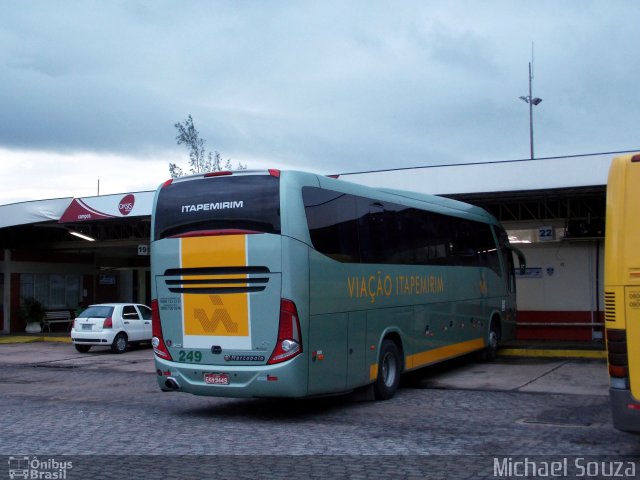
(389, 368)
(490, 352)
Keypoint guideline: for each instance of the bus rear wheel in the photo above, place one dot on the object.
(389, 369)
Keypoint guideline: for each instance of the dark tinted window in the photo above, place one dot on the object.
(423, 237)
(145, 312)
(487, 251)
(246, 202)
(356, 229)
(129, 312)
(332, 221)
(97, 311)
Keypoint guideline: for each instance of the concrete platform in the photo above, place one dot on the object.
(541, 374)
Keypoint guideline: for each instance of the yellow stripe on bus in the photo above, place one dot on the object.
(373, 371)
(215, 314)
(435, 355)
(442, 353)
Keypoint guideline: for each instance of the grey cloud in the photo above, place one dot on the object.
(332, 85)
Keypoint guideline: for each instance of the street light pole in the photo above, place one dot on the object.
(530, 113)
(531, 100)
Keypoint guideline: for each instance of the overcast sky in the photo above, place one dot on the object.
(92, 89)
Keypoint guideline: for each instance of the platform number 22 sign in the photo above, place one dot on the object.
(545, 234)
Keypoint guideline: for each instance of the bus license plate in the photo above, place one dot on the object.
(216, 378)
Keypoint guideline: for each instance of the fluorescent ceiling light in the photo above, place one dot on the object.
(82, 236)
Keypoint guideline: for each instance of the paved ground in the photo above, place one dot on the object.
(93, 408)
(545, 375)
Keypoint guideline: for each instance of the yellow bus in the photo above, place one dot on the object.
(622, 290)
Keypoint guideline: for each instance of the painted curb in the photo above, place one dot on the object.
(25, 339)
(538, 352)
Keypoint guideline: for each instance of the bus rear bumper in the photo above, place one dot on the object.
(625, 410)
(287, 379)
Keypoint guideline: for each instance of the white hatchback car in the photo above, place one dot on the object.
(111, 324)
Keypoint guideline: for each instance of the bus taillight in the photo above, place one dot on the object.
(159, 348)
(617, 353)
(289, 342)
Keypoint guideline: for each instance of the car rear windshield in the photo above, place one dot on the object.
(97, 311)
(243, 202)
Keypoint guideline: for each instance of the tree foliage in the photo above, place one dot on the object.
(200, 161)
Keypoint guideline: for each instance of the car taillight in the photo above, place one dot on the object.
(617, 353)
(157, 342)
(108, 323)
(289, 343)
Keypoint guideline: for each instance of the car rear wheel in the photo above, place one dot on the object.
(119, 344)
(82, 348)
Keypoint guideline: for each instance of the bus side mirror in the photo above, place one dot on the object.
(522, 261)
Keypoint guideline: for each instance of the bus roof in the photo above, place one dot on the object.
(420, 200)
(437, 200)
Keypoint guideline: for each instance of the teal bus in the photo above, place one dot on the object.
(289, 284)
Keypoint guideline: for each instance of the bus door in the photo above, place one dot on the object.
(632, 314)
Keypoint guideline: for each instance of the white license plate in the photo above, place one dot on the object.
(86, 326)
(216, 378)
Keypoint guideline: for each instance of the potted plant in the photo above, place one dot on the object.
(32, 313)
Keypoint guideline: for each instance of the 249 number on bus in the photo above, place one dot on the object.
(189, 357)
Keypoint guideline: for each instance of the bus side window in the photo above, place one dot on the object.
(486, 248)
(463, 243)
(332, 223)
(377, 231)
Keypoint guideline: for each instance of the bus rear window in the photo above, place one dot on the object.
(243, 202)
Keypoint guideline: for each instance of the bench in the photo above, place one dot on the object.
(57, 316)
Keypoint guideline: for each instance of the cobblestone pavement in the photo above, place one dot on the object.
(52, 410)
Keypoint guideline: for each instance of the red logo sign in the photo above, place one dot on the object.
(126, 204)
